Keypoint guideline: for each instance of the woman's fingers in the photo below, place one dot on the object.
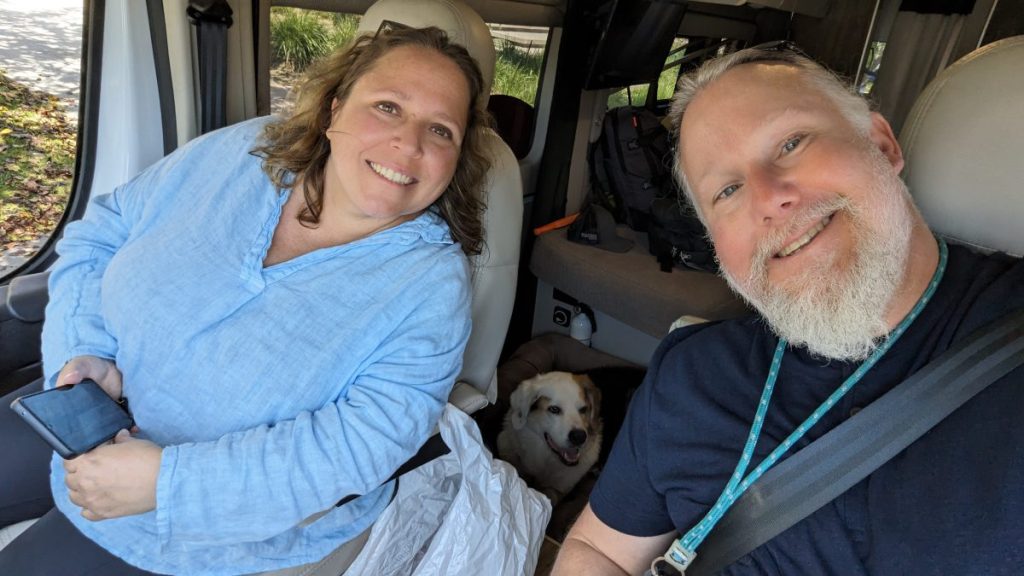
(104, 372)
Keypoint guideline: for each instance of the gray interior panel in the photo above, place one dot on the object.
(629, 286)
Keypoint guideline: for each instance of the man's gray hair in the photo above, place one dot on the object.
(849, 103)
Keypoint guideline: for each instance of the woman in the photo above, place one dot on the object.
(285, 305)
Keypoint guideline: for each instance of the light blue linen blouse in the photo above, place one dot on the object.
(274, 391)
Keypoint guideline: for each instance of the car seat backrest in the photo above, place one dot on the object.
(463, 26)
(496, 269)
(513, 119)
(964, 148)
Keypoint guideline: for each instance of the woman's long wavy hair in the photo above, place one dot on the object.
(295, 149)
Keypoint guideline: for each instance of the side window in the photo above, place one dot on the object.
(519, 58)
(299, 37)
(519, 54)
(637, 95)
(39, 83)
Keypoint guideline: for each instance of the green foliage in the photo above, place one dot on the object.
(37, 157)
(666, 87)
(666, 82)
(300, 37)
(344, 30)
(517, 71)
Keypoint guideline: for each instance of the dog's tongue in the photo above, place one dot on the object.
(570, 455)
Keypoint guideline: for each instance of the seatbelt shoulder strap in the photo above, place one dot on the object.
(847, 454)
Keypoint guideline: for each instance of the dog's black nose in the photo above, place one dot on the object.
(577, 436)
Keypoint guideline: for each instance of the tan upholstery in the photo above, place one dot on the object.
(964, 149)
(495, 271)
(464, 26)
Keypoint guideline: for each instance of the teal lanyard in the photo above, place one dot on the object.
(685, 549)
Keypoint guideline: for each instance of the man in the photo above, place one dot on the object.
(798, 185)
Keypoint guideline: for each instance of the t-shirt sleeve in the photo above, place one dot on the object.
(624, 497)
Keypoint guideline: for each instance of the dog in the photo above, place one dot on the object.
(552, 431)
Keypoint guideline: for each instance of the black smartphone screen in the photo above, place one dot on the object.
(73, 419)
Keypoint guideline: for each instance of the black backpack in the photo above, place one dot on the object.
(630, 164)
(631, 176)
(677, 237)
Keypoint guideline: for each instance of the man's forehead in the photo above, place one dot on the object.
(746, 100)
(747, 89)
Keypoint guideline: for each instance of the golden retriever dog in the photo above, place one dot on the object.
(552, 431)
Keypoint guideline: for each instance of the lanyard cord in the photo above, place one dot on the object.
(684, 549)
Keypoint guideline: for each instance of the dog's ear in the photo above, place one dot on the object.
(521, 400)
(591, 391)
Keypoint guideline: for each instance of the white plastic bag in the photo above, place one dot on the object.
(463, 513)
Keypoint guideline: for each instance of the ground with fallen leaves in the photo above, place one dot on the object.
(37, 157)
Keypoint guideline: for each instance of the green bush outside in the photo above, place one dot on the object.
(517, 71)
(299, 37)
(666, 82)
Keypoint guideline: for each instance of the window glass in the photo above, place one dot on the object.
(519, 57)
(40, 62)
(299, 37)
(666, 82)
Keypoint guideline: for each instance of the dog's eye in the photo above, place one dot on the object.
(583, 410)
(554, 409)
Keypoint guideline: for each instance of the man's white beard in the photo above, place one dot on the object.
(839, 314)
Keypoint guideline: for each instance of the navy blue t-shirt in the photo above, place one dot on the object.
(952, 503)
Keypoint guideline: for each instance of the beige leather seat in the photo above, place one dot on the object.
(494, 271)
(964, 148)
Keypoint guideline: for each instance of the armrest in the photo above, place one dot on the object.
(25, 298)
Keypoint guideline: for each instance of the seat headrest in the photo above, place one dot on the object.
(462, 24)
(964, 148)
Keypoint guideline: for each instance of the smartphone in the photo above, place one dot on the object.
(73, 419)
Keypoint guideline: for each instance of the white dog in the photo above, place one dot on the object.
(552, 432)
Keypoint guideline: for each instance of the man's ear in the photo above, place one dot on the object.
(521, 400)
(882, 136)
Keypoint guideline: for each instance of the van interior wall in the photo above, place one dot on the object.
(836, 40)
(1007, 20)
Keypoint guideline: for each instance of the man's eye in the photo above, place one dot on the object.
(554, 409)
(792, 144)
(387, 107)
(442, 132)
(727, 191)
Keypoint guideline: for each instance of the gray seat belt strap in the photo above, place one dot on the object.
(211, 19)
(817, 474)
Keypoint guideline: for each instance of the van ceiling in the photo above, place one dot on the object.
(816, 8)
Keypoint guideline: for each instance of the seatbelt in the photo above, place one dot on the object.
(433, 448)
(212, 18)
(829, 466)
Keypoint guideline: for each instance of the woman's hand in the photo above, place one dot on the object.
(115, 479)
(103, 371)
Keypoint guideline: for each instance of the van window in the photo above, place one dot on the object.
(519, 58)
(299, 37)
(40, 62)
(637, 95)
